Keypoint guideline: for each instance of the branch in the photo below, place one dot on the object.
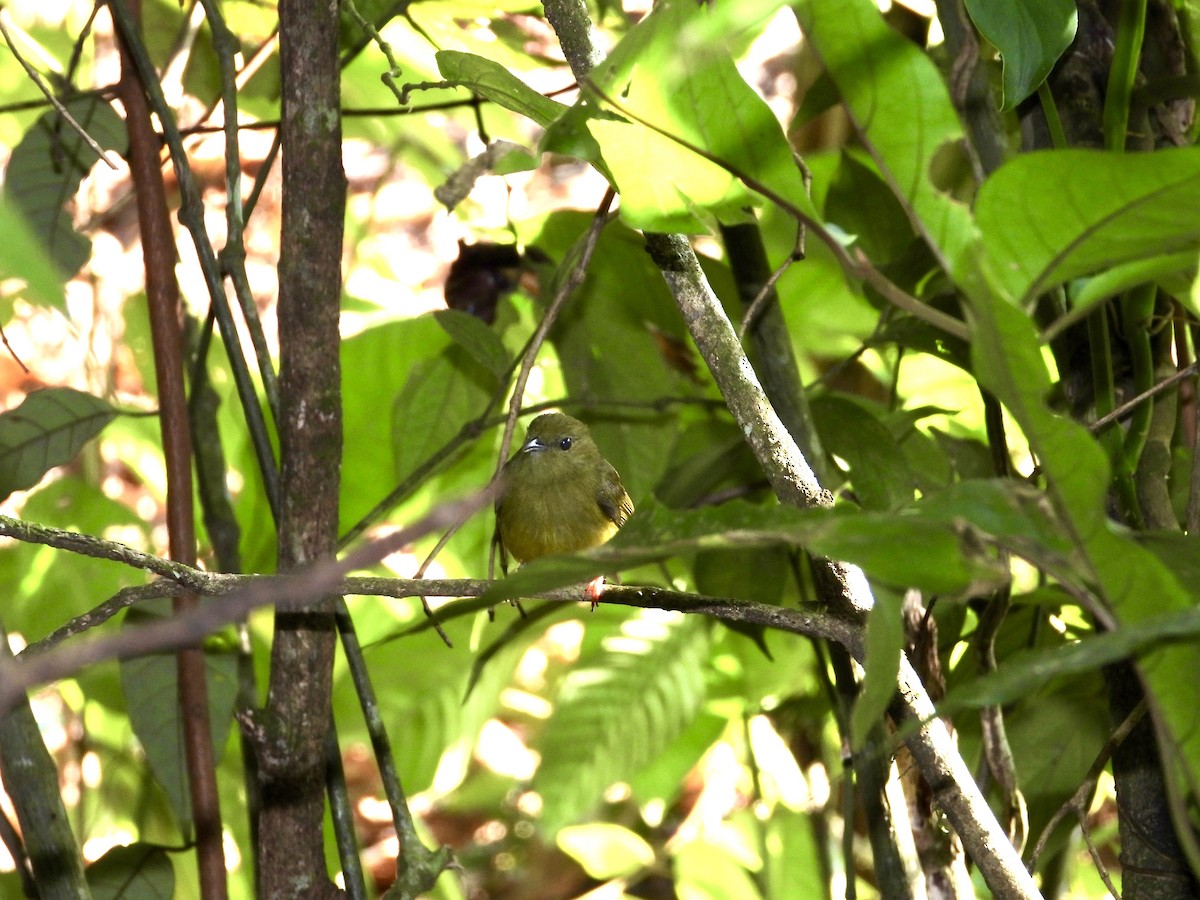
(243, 593)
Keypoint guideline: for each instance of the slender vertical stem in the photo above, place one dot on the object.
(166, 327)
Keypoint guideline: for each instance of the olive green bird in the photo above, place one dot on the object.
(558, 494)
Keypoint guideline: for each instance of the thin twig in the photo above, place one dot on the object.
(1130, 405)
(36, 78)
(767, 292)
(798, 253)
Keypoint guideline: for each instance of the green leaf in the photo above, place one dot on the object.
(1111, 282)
(1026, 671)
(440, 395)
(878, 471)
(46, 168)
(1044, 222)
(898, 102)
(664, 778)
(24, 255)
(618, 707)
(491, 80)
(884, 647)
(674, 70)
(473, 335)
(1030, 35)
(605, 850)
(151, 688)
(716, 866)
(376, 364)
(45, 431)
(132, 872)
(796, 866)
(862, 204)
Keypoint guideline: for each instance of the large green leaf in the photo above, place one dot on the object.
(607, 339)
(899, 104)
(476, 337)
(675, 71)
(1052, 216)
(878, 471)
(45, 170)
(618, 708)
(1030, 35)
(45, 431)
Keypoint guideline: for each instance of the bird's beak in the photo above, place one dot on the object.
(533, 445)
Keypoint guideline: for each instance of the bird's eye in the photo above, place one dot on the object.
(564, 444)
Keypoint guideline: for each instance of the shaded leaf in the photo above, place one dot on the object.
(607, 350)
(491, 80)
(1030, 35)
(45, 431)
(151, 688)
(439, 396)
(878, 471)
(132, 872)
(474, 336)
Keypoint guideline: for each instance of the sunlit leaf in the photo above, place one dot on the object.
(1127, 578)
(1044, 221)
(45, 171)
(674, 70)
(24, 255)
(605, 850)
(898, 101)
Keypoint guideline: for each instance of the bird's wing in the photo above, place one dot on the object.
(614, 501)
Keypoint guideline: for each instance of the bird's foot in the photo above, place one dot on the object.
(593, 590)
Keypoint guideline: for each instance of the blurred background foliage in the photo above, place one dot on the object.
(623, 752)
